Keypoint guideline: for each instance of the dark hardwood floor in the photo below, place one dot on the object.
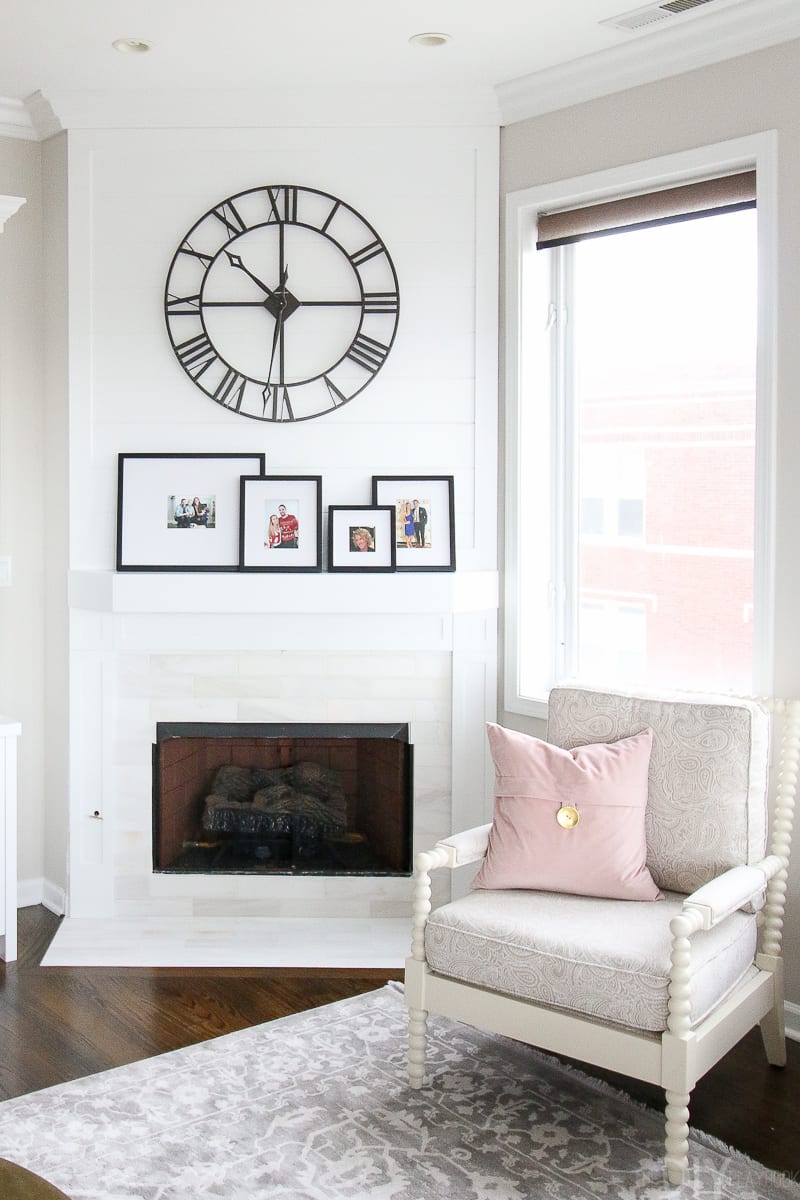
(59, 1023)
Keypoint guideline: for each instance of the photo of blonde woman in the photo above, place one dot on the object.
(273, 532)
(362, 538)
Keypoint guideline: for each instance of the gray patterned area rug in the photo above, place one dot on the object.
(316, 1107)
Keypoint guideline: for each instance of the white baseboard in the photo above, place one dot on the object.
(41, 891)
(792, 1012)
(29, 891)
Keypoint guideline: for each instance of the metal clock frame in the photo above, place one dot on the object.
(202, 361)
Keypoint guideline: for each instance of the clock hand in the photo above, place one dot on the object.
(278, 294)
(236, 261)
(279, 318)
(275, 336)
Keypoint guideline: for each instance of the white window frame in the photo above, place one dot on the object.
(757, 151)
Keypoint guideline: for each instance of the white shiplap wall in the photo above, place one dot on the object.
(193, 647)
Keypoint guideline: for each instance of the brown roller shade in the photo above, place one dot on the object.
(727, 194)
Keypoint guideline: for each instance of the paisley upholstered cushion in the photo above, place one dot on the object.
(608, 959)
(707, 806)
(569, 820)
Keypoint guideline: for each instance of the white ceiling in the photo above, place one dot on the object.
(53, 46)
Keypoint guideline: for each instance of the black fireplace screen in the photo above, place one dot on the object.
(313, 799)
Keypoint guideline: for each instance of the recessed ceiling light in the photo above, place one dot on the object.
(131, 46)
(429, 39)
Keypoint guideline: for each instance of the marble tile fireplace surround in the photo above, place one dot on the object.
(412, 649)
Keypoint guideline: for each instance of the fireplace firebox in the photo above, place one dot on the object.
(295, 799)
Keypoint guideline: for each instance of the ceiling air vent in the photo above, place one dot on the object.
(641, 17)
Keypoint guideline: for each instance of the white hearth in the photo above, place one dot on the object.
(377, 943)
(149, 647)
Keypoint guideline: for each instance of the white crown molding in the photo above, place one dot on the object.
(705, 38)
(44, 120)
(242, 109)
(15, 121)
(8, 206)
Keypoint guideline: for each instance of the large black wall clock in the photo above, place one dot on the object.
(282, 303)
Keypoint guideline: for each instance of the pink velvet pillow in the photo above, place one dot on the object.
(569, 820)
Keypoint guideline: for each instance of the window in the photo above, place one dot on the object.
(613, 636)
(630, 518)
(638, 542)
(592, 515)
(611, 474)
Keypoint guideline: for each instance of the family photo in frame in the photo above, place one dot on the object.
(197, 513)
(180, 512)
(424, 526)
(281, 523)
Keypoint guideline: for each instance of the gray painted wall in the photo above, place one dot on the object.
(22, 504)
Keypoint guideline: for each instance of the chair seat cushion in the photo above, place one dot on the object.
(608, 959)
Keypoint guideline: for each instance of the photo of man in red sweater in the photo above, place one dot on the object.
(289, 529)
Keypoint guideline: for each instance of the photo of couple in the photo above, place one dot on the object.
(412, 524)
(195, 513)
(282, 528)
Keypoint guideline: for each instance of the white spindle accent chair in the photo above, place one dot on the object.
(715, 940)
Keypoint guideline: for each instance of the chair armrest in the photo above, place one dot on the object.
(455, 851)
(704, 909)
(715, 901)
(467, 847)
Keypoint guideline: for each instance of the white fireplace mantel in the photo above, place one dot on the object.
(233, 592)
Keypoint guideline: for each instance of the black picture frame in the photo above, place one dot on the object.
(263, 543)
(348, 551)
(151, 533)
(435, 496)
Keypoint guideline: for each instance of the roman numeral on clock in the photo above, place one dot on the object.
(368, 353)
(283, 203)
(281, 404)
(230, 390)
(205, 259)
(336, 396)
(183, 306)
(196, 355)
(381, 302)
(330, 216)
(366, 253)
(230, 217)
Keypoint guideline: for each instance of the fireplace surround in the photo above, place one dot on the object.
(330, 798)
(411, 650)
